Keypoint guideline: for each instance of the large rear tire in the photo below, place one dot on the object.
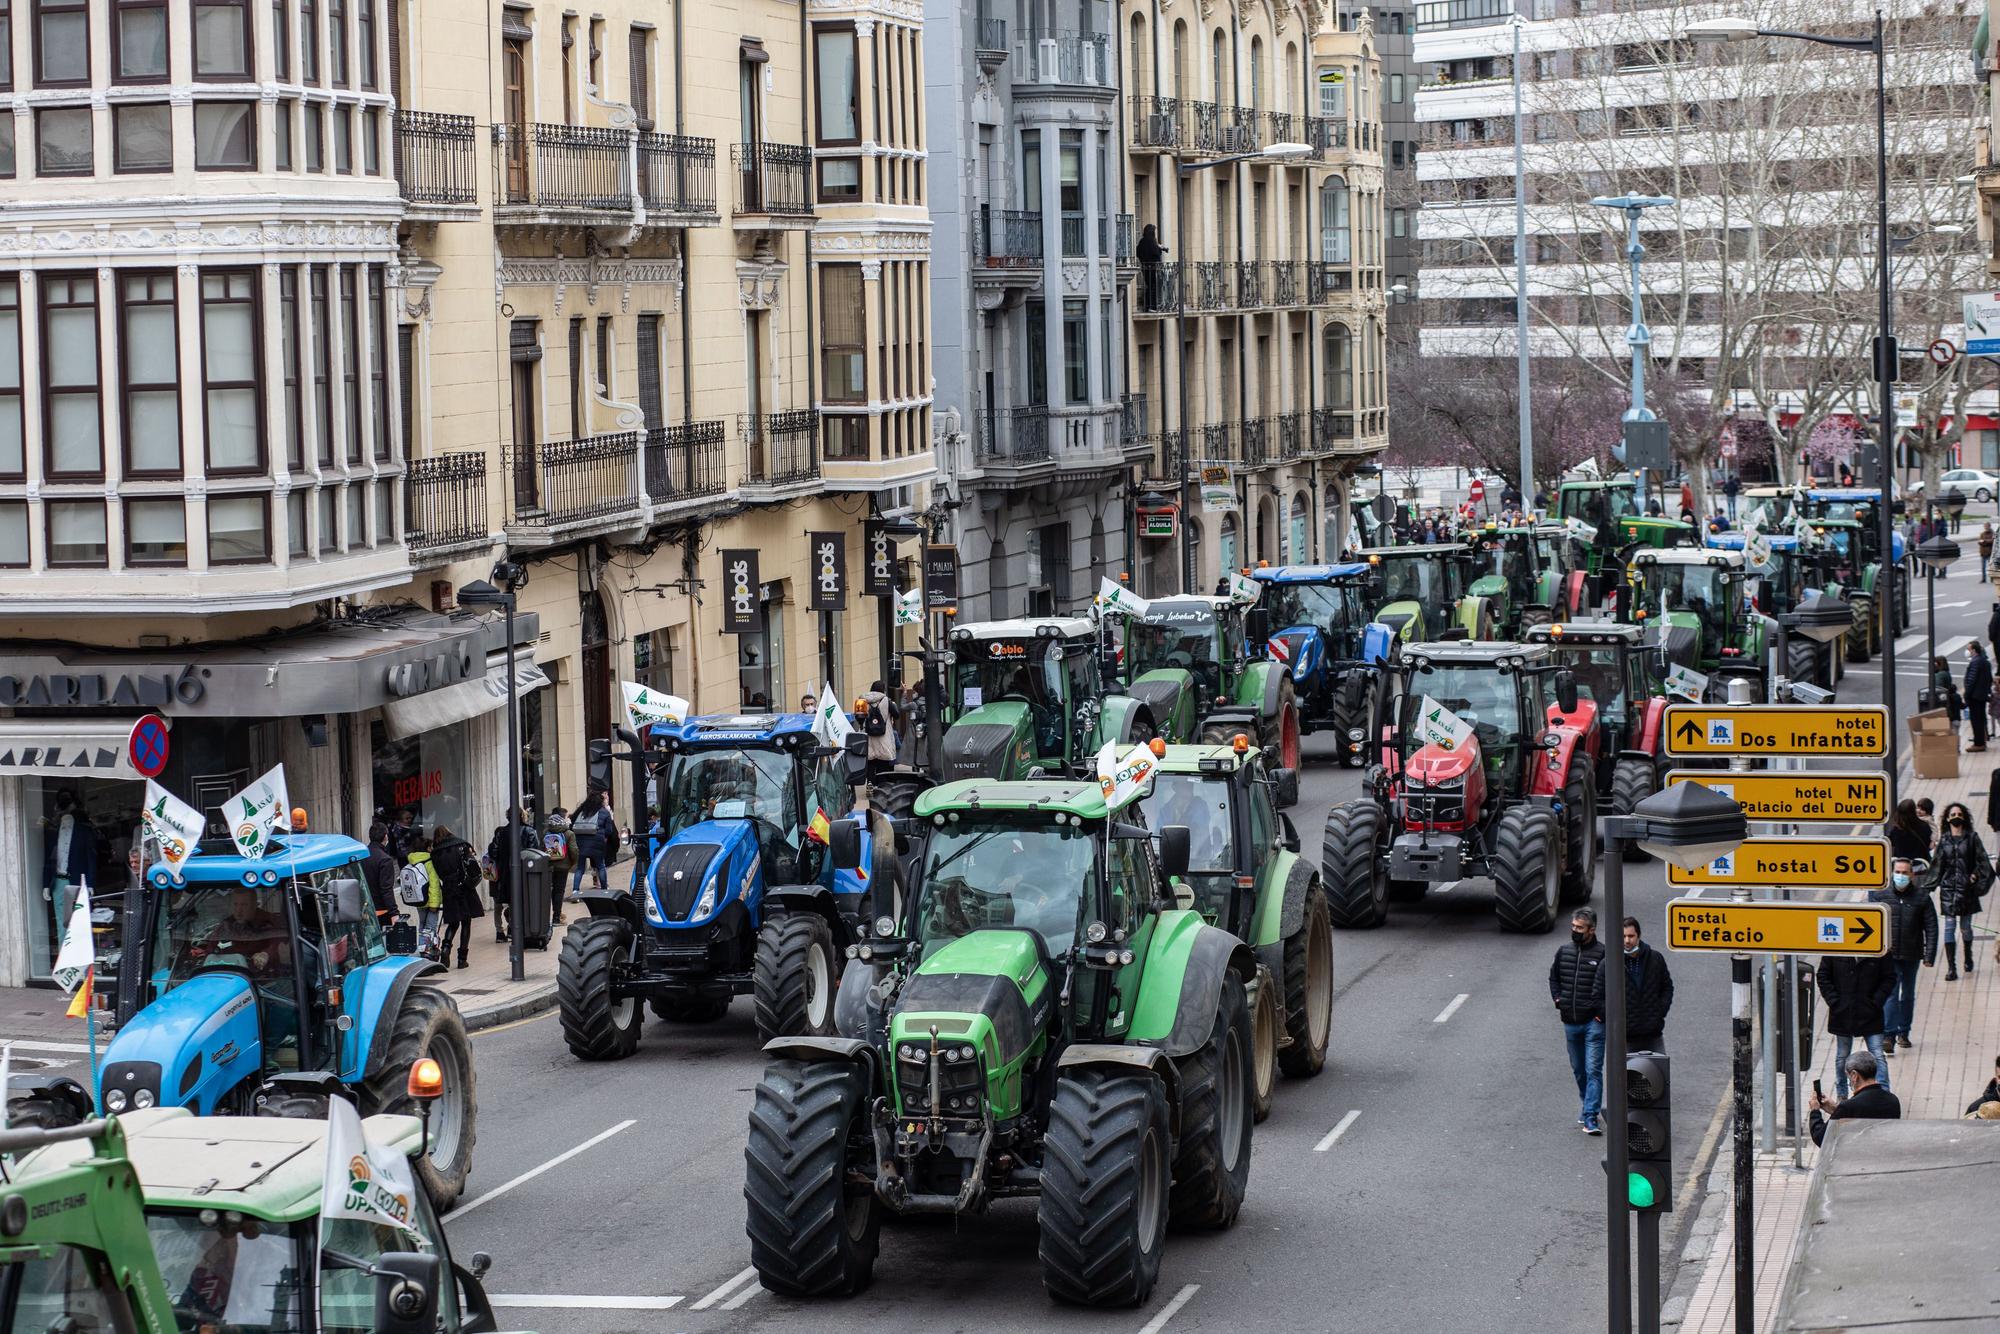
(795, 977)
(1802, 662)
(1527, 869)
(1105, 1179)
(1579, 871)
(1357, 876)
(813, 1230)
(1632, 781)
(1278, 734)
(1265, 1024)
(1861, 638)
(596, 1026)
(429, 1025)
(1212, 1155)
(1308, 990)
(36, 1112)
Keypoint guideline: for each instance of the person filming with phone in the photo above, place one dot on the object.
(1869, 1102)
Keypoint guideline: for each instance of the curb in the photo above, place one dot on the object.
(506, 1012)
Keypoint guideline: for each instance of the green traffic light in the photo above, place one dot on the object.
(1638, 1191)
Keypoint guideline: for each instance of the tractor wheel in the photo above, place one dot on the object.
(1218, 734)
(795, 977)
(691, 1009)
(429, 1025)
(1527, 868)
(1357, 878)
(596, 1026)
(1279, 734)
(1579, 872)
(1309, 989)
(1802, 661)
(1535, 616)
(1105, 1175)
(1212, 1155)
(1353, 706)
(1264, 1025)
(297, 1106)
(37, 1112)
(1632, 781)
(1861, 639)
(813, 1230)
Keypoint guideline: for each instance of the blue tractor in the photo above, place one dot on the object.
(266, 987)
(1322, 612)
(740, 897)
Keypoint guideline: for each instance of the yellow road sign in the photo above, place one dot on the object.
(1799, 796)
(1777, 729)
(1801, 863)
(1721, 927)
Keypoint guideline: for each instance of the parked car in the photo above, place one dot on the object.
(1979, 483)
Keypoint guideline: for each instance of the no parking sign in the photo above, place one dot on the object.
(146, 747)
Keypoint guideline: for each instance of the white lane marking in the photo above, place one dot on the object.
(723, 1291)
(749, 1291)
(24, 1044)
(1170, 1310)
(1452, 1009)
(553, 1300)
(1942, 605)
(534, 1172)
(1334, 1134)
(1956, 644)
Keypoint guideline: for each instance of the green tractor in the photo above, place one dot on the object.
(1420, 592)
(1697, 598)
(1049, 1018)
(1189, 661)
(1532, 576)
(1022, 696)
(1248, 878)
(1615, 512)
(1795, 568)
(1852, 529)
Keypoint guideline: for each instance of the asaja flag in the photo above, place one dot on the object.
(1687, 683)
(1579, 529)
(1440, 727)
(644, 707)
(1124, 780)
(1802, 529)
(257, 810)
(173, 824)
(364, 1180)
(830, 722)
(74, 960)
(909, 607)
(1243, 589)
(1114, 596)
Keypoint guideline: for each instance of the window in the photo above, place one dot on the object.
(156, 532)
(139, 41)
(329, 521)
(315, 137)
(343, 139)
(350, 361)
(149, 357)
(839, 106)
(639, 55)
(281, 134)
(364, 41)
(72, 427)
(289, 354)
(649, 372)
(379, 318)
(1395, 89)
(309, 40)
(406, 382)
(6, 131)
(1337, 360)
(839, 179)
(322, 363)
(385, 512)
(62, 142)
(13, 457)
(1399, 222)
(225, 136)
(1332, 92)
(13, 534)
(281, 38)
(606, 361)
(229, 370)
(7, 61)
(1396, 158)
(76, 533)
(62, 44)
(1069, 188)
(1034, 350)
(142, 137)
(298, 539)
(336, 41)
(1336, 233)
(222, 39)
(239, 529)
(1031, 171)
(844, 334)
(357, 515)
(1076, 351)
(576, 417)
(371, 141)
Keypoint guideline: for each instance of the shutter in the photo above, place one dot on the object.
(604, 348)
(642, 84)
(649, 372)
(514, 24)
(576, 379)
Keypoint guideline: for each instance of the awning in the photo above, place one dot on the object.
(66, 747)
(468, 699)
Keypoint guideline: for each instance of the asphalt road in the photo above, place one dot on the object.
(1431, 1178)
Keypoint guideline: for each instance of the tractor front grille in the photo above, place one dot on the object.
(679, 877)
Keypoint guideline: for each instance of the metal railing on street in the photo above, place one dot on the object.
(677, 173)
(576, 167)
(435, 158)
(444, 500)
(561, 481)
(686, 461)
(773, 179)
(782, 446)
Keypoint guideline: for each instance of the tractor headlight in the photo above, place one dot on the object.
(143, 1098)
(706, 903)
(885, 926)
(115, 1100)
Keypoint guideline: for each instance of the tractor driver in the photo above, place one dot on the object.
(261, 940)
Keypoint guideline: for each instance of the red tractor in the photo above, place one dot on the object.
(1488, 768)
(1618, 668)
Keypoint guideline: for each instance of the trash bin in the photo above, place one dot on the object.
(536, 917)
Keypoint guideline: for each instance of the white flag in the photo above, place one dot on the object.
(1579, 529)
(173, 824)
(644, 707)
(910, 607)
(1440, 727)
(1757, 550)
(1803, 530)
(1114, 596)
(830, 723)
(1687, 683)
(78, 952)
(1244, 590)
(255, 811)
(364, 1180)
(1124, 781)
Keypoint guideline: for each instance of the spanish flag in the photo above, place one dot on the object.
(819, 829)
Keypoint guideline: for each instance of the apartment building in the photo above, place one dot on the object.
(1253, 137)
(1395, 44)
(314, 309)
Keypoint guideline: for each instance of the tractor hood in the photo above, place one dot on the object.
(1406, 619)
(1489, 586)
(1432, 765)
(1301, 649)
(989, 741)
(990, 987)
(190, 1046)
(700, 871)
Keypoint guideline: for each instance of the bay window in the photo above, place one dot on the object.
(142, 137)
(229, 371)
(149, 379)
(156, 531)
(222, 39)
(63, 141)
(72, 422)
(139, 41)
(844, 345)
(239, 530)
(225, 136)
(76, 533)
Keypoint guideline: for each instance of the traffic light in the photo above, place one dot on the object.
(1649, 1132)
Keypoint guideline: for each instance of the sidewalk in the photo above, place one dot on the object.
(1955, 1031)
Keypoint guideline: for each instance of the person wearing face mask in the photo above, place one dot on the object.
(1649, 992)
(1913, 932)
(1964, 873)
(1576, 985)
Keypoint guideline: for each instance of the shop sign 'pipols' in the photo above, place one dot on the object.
(742, 609)
(878, 572)
(828, 591)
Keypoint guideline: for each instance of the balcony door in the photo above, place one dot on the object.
(595, 678)
(514, 74)
(750, 115)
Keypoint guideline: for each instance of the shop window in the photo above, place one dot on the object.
(426, 773)
(653, 660)
(156, 532)
(79, 830)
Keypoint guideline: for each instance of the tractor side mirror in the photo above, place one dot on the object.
(1566, 695)
(843, 842)
(1257, 627)
(406, 1292)
(1285, 788)
(1288, 833)
(599, 764)
(1174, 849)
(349, 901)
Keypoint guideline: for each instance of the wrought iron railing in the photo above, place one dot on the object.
(1324, 281)
(1072, 231)
(1018, 436)
(1010, 238)
(1242, 131)
(577, 167)
(993, 35)
(1158, 122)
(561, 481)
(1131, 418)
(1286, 127)
(444, 500)
(1256, 435)
(1330, 428)
(773, 179)
(1218, 443)
(435, 158)
(1212, 284)
(782, 446)
(1251, 291)
(1161, 287)
(1122, 237)
(1066, 57)
(1209, 120)
(1289, 435)
(1325, 133)
(1288, 282)
(686, 461)
(677, 173)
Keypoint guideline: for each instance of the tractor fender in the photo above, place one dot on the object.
(815, 900)
(614, 903)
(1405, 619)
(1471, 611)
(1574, 585)
(1652, 726)
(1123, 720)
(1378, 642)
(1273, 679)
(1124, 1060)
(1551, 776)
(1281, 914)
(821, 1050)
(1187, 960)
(374, 1005)
(50, 1088)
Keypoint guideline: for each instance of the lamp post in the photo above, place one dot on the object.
(1525, 419)
(1286, 152)
(1690, 826)
(1637, 336)
(483, 594)
(1737, 30)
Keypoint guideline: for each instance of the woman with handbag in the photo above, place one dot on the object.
(1963, 872)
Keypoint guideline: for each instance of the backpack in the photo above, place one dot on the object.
(556, 845)
(878, 719)
(611, 838)
(413, 887)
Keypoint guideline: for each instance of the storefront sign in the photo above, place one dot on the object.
(742, 611)
(139, 688)
(940, 576)
(468, 699)
(77, 747)
(1158, 523)
(878, 576)
(828, 591)
(432, 673)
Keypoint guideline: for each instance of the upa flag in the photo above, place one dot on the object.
(1803, 530)
(645, 707)
(1114, 596)
(1124, 781)
(910, 607)
(77, 956)
(173, 824)
(1579, 529)
(1440, 727)
(257, 810)
(365, 1181)
(1757, 550)
(1243, 590)
(830, 722)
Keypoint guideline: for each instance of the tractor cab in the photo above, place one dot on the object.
(1599, 501)
(1014, 694)
(1199, 635)
(1523, 573)
(1696, 596)
(1770, 508)
(1318, 613)
(1420, 590)
(1494, 691)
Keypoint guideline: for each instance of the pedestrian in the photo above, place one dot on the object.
(1150, 253)
(378, 869)
(1985, 549)
(401, 832)
(592, 828)
(909, 745)
(879, 715)
(808, 705)
(1963, 873)
(1909, 836)
(1855, 989)
(458, 871)
(559, 846)
(1944, 694)
(418, 885)
(1991, 1093)
(1649, 992)
(1687, 501)
(1913, 932)
(1978, 692)
(1927, 813)
(1732, 487)
(500, 854)
(1993, 628)
(1871, 1100)
(1510, 496)
(1576, 985)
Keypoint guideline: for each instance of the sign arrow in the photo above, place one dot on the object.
(1863, 931)
(1688, 731)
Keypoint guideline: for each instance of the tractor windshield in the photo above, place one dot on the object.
(1328, 606)
(986, 873)
(222, 925)
(1553, 548)
(1421, 579)
(1509, 558)
(236, 1273)
(1202, 804)
(1179, 638)
(733, 785)
(1482, 696)
(66, 1288)
(1005, 669)
(1600, 676)
(1700, 589)
(1598, 506)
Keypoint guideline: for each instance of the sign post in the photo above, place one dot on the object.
(146, 747)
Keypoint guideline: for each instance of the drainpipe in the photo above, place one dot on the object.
(687, 316)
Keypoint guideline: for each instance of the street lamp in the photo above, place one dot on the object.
(1637, 336)
(1689, 826)
(1741, 29)
(1524, 413)
(1936, 553)
(480, 593)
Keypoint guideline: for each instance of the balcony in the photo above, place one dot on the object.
(1288, 282)
(1325, 281)
(559, 488)
(1220, 129)
(562, 174)
(1158, 124)
(1160, 288)
(444, 505)
(782, 447)
(1121, 235)
(435, 161)
(1255, 434)
(1131, 418)
(1078, 59)
(1217, 443)
(1290, 437)
(1332, 430)
(1213, 285)
(1019, 438)
(991, 48)
(1071, 235)
(677, 176)
(1160, 453)
(1251, 289)
(773, 181)
(1433, 15)
(1325, 134)
(685, 462)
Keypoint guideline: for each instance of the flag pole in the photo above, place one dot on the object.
(89, 1007)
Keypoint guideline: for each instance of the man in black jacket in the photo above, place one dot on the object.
(1855, 991)
(1871, 1102)
(1649, 992)
(1576, 985)
(1913, 933)
(379, 870)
